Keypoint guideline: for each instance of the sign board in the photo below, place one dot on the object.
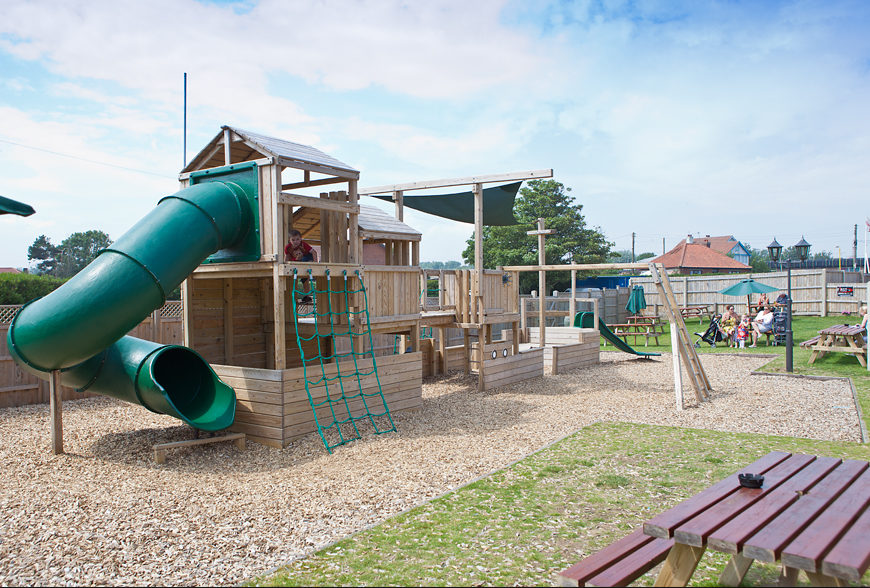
(845, 291)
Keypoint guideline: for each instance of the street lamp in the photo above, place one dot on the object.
(775, 250)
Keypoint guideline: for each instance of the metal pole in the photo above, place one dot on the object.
(788, 333)
(185, 120)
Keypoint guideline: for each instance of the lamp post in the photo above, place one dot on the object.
(775, 250)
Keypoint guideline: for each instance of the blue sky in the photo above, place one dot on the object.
(665, 118)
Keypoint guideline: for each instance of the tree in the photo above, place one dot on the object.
(71, 256)
(572, 241)
(45, 253)
(624, 256)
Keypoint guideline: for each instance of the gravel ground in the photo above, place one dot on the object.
(104, 513)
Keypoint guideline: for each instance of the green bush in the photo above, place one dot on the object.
(20, 288)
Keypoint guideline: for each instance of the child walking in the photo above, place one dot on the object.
(299, 250)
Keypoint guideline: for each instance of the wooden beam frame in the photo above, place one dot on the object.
(445, 183)
(575, 266)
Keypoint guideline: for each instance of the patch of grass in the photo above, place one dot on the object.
(526, 523)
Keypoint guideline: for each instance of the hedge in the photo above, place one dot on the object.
(20, 288)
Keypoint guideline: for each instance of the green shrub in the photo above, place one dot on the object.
(20, 288)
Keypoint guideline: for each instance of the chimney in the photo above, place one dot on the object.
(690, 239)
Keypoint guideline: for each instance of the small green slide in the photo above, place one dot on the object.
(586, 320)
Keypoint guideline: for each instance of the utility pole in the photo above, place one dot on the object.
(855, 250)
(632, 246)
(663, 245)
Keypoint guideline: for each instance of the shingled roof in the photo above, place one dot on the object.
(694, 256)
(249, 146)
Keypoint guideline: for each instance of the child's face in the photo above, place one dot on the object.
(295, 240)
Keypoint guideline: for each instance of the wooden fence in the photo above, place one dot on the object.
(816, 292)
(18, 387)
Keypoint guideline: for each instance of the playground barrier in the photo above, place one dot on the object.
(19, 388)
(816, 292)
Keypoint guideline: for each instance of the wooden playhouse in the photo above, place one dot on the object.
(286, 358)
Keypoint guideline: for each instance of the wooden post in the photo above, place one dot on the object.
(353, 228)
(572, 306)
(55, 407)
(399, 199)
(678, 372)
(541, 232)
(279, 300)
(477, 294)
(442, 348)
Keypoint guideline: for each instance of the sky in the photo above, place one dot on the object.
(663, 118)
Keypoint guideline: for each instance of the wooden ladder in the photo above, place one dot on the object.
(684, 344)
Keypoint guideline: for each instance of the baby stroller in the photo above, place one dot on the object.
(713, 334)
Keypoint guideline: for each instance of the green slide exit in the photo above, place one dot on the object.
(586, 320)
(80, 327)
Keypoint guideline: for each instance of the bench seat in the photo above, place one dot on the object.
(619, 563)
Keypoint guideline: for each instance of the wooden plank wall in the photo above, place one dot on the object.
(561, 358)
(18, 387)
(392, 290)
(273, 406)
(564, 335)
(813, 290)
(527, 365)
(838, 301)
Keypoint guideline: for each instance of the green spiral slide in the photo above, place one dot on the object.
(80, 327)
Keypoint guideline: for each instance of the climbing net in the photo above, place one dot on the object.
(337, 391)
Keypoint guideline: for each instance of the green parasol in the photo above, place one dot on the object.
(9, 206)
(636, 300)
(747, 288)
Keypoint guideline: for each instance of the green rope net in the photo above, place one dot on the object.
(335, 382)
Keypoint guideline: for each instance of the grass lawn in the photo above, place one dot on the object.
(524, 524)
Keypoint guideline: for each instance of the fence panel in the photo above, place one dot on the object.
(18, 387)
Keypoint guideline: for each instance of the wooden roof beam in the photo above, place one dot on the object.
(574, 266)
(508, 177)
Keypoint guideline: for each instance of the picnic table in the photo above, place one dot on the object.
(840, 339)
(698, 311)
(811, 513)
(646, 329)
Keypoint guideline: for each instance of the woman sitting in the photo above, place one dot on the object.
(728, 324)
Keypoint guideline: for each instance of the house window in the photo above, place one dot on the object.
(694, 272)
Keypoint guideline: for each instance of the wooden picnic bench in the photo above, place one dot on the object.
(839, 339)
(698, 311)
(647, 330)
(811, 513)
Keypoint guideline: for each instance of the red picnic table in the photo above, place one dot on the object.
(811, 513)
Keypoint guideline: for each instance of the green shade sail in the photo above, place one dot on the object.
(9, 206)
(636, 300)
(498, 204)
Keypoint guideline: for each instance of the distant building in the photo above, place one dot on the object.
(695, 258)
(726, 244)
(9, 270)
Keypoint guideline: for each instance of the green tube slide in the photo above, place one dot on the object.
(80, 327)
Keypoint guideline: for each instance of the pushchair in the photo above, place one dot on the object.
(713, 334)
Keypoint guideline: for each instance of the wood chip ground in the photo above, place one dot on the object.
(105, 513)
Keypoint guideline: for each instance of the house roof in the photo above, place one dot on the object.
(722, 244)
(374, 224)
(248, 146)
(694, 255)
(9, 270)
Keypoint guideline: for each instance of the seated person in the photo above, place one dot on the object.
(762, 301)
(782, 299)
(762, 324)
(728, 324)
(298, 250)
(865, 318)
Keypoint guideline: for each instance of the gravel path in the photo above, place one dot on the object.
(104, 513)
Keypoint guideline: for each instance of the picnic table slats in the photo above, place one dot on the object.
(696, 530)
(850, 557)
(766, 545)
(634, 565)
(730, 536)
(663, 525)
(577, 574)
(805, 551)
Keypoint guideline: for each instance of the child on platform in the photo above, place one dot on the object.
(742, 331)
(298, 250)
